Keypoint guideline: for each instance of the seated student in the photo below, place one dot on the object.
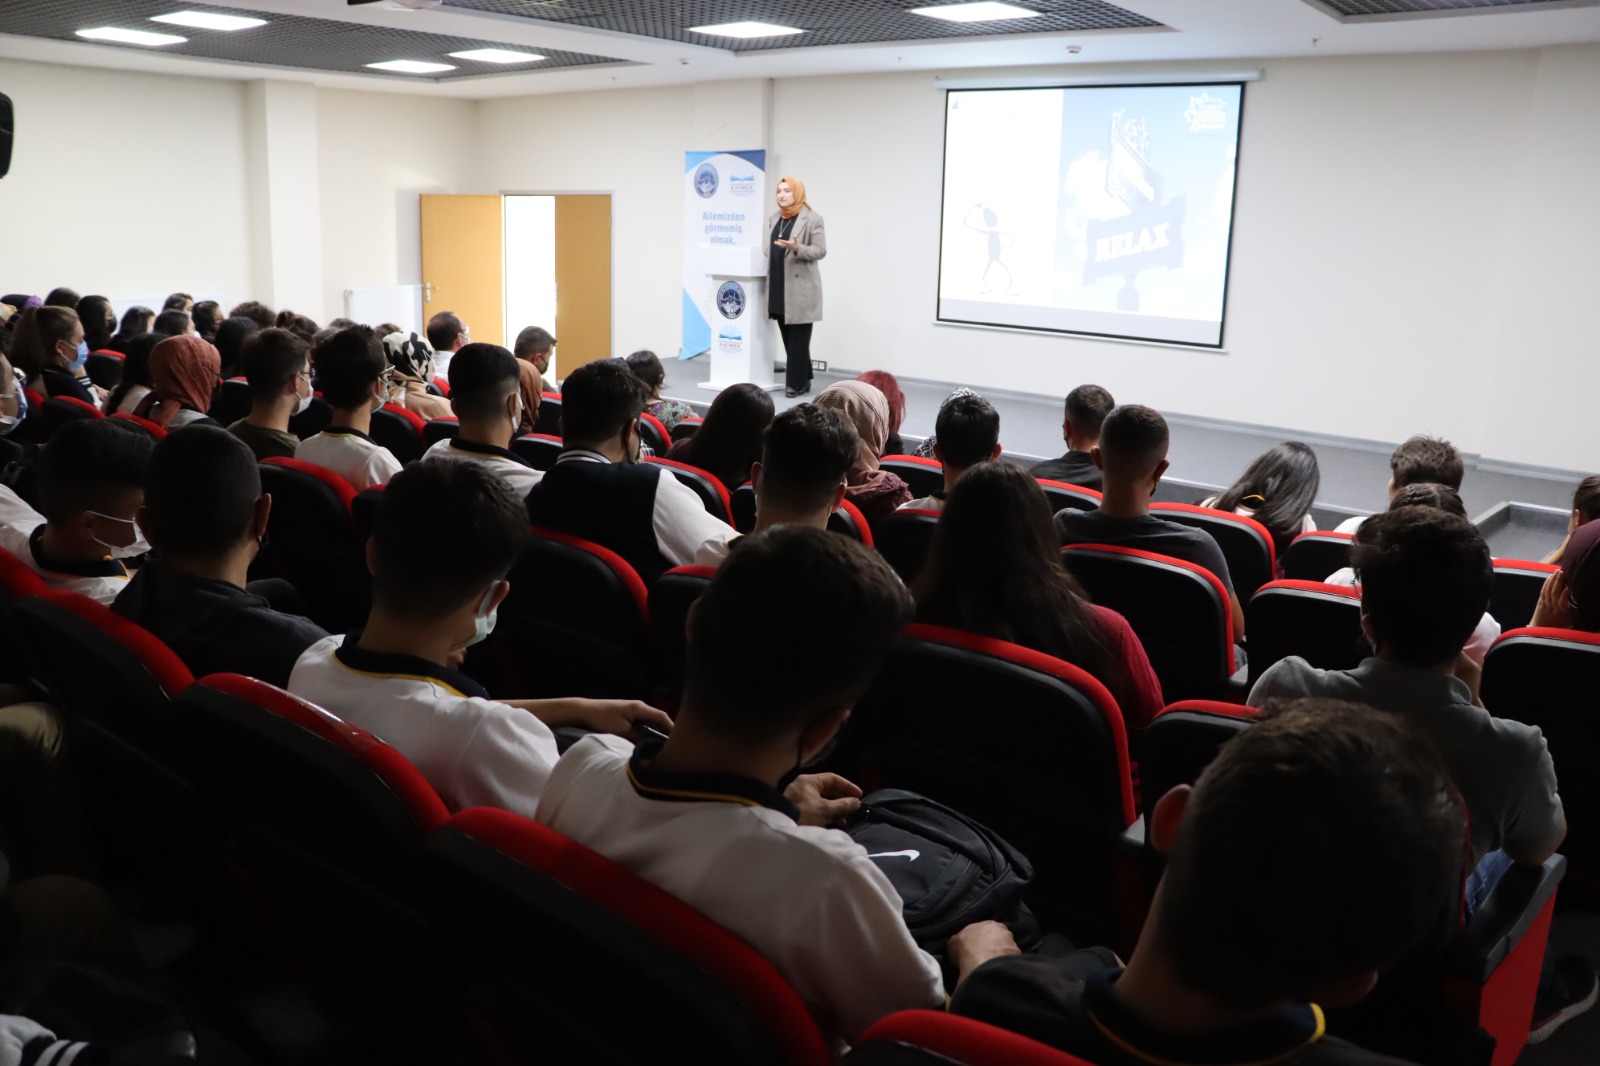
(48, 346)
(968, 432)
(354, 377)
(447, 334)
(647, 365)
(1417, 460)
(889, 385)
(1087, 407)
(729, 444)
(207, 315)
(230, 341)
(1131, 457)
(135, 384)
(99, 321)
(91, 486)
(876, 491)
(995, 569)
(598, 489)
(412, 359)
(278, 368)
(1443, 498)
(183, 373)
(1319, 846)
(536, 345)
(205, 515)
(1585, 509)
(707, 816)
(532, 349)
(178, 301)
(806, 453)
(397, 678)
(174, 323)
(484, 396)
(255, 311)
(1570, 598)
(136, 321)
(1277, 490)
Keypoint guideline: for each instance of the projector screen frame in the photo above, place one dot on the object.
(1240, 79)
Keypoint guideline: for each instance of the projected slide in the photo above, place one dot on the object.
(1100, 210)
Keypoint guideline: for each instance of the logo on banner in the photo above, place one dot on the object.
(1206, 114)
(742, 184)
(730, 299)
(705, 181)
(730, 339)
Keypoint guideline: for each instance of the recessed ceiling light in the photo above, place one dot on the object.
(497, 55)
(411, 66)
(205, 20)
(121, 36)
(979, 12)
(745, 29)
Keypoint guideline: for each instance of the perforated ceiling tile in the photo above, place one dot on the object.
(825, 21)
(285, 41)
(1357, 8)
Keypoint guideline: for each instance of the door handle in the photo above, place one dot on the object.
(427, 292)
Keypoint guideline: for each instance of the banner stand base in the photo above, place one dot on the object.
(718, 386)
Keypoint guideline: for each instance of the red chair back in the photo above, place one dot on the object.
(59, 410)
(671, 596)
(849, 520)
(1246, 544)
(155, 429)
(104, 368)
(231, 401)
(935, 1038)
(1516, 588)
(1316, 555)
(399, 430)
(312, 542)
(549, 423)
(1181, 741)
(1318, 622)
(686, 428)
(438, 429)
(924, 476)
(17, 583)
(1063, 496)
(654, 433)
(540, 449)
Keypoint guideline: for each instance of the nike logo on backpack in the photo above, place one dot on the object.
(912, 855)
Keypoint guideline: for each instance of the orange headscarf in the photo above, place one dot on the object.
(184, 370)
(799, 188)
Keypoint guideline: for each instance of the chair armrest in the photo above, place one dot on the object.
(1504, 918)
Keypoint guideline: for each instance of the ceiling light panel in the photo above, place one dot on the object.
(746, 30)
(497, 55)
(975, 12)
(208, 20)
(118, 35)
(411, 66)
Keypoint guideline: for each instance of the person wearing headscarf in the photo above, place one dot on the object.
(185, 371)
(530, 386)
(877, 492)
(794, 284)
(1571, 596)
(412, 358)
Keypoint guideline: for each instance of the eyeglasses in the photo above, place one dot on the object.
(387, 375)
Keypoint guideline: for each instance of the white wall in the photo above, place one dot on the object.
(124, 184)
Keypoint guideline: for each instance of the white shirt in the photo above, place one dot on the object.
(503, 461)
(100, 581)
(926, 503)
(15, 511)
(808, 899)
(714, 551)
(352, 455)
(682, 525)
(1307, 523)
(1351, 524)
(474, 751)
(1485, 634)
(130, 401)
(185, 416)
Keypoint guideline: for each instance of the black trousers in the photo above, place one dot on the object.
(797, 351)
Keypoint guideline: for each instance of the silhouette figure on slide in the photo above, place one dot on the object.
(999, 241)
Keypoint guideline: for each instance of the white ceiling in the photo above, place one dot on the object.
(1197, 30)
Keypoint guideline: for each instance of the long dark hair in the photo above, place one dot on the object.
(98, 321)
(730, 441)
(1279, 487)
(995, 569)
(135, 321)
(135, 369)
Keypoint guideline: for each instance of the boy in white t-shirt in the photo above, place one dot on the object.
(487, 400)
(397, 678)
(706, 814)
(353, 374)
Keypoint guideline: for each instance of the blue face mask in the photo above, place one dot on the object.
(83, 356)
(483, 621)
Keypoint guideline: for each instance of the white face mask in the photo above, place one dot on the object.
(483, 622)
(305, 402)
(138, 546)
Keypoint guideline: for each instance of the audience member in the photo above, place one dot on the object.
(279, 373)
(447, 335)
(1570, 598)
(412, 359)
(255, 311)
(173, 323)
(354, 377)
(705, 814)
(647, 367)
(889, 385)
(1277, 490)
(806, 454)
(397, 677)
(99, 321)
(136, 322)
(48, 347)
(183, 374)
(136, 382)
(207, 315)
(728, 445)
(1319, 847)
(530, 382)
(61, 296)
(968, 433)
(925, 449)
(485, 398)
(205, 514)
(1585, 509)
(298, 324)
(231, 338)
(1417, 460)
(179, 301)
(995, 569)
(1131, 457)
(1086, 410)
(537, 346)
(91, 486)
(598, 489)
(341, 323)
(877, 492)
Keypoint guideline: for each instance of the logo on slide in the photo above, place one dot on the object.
(730, 299)
(912, 855)
(705, 181)
(742, 184)
(1206, 114)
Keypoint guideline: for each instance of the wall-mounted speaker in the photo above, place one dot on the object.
(7, 124)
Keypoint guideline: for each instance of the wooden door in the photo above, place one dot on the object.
(463, 262)
(583, 280)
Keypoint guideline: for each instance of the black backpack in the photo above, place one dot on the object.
(950, 871)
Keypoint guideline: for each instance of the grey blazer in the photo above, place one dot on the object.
(802, 281)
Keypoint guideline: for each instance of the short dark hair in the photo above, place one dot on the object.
(599, 400)
(180, 301)
(1426, 459)
(534, 339)
(207, 315)
(647, 367)
(1130, 435)
(1586, 500)
(443, 329)
(61, 296)
(1425, 580)
(1321, 844)
(255, 311)
(272, 358)
(811, 589)
(434, 502)
(1087, 408)
(90, 465)
(347, 364)
(171, 323)
(1429, 494)
(200, 492)
(967, 428)
(481, 377)
(805, 454)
